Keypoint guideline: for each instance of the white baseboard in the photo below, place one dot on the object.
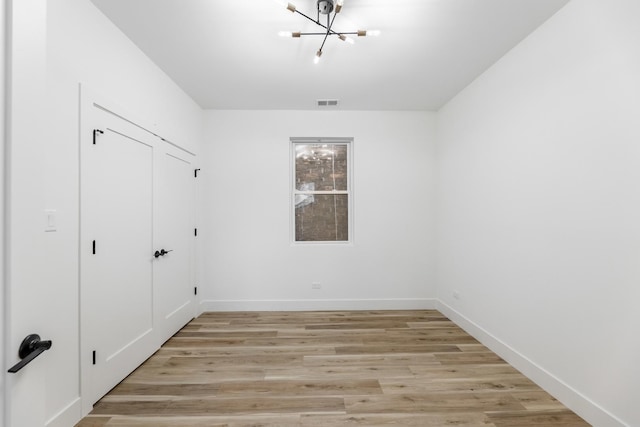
(571, 398)
(68, 416)
(318, 305)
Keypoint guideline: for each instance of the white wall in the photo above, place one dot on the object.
(249, 261)
(538, 207)
(537, 211)
(84, 46)
(81, 45)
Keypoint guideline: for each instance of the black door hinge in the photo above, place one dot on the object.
(94, 247)
(195, 231)
(195, 173)
(93, 356)
(195, 290)
(96, 131)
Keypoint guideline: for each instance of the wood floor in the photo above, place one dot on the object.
(362, 368)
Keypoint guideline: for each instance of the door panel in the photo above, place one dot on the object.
(173, 281)
(116, 254)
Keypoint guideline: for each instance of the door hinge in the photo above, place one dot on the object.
(96, 131)
(195, 290)
(93, 356)
(195, 173)
(94, 247)
(195, 231)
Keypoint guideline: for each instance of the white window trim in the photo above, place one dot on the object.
(293, 190)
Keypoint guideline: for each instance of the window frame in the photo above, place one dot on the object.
(293, 191)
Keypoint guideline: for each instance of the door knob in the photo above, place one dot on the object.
(32, 346)
(161, 252)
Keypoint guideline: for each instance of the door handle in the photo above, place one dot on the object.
(161, 252)
(32, 346)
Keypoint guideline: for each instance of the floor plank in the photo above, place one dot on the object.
(554, 418)
(318, 369)
(432, 402)
(405, 420)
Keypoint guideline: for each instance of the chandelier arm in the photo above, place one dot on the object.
(333, 33)
(309, 18)
(329, 25)
(318, 23)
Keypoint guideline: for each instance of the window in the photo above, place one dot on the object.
(321, 190)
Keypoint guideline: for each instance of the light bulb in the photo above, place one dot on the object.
(346, 39)
(316, 59)
(362, 33)
(289, 6)
(294, 34)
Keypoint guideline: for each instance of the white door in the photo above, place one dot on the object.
(116, 252)
(25, 280)
(174, 232)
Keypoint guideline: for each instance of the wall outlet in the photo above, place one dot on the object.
(316, 285)
(456, 295)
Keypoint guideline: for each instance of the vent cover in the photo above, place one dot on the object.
(327, 102)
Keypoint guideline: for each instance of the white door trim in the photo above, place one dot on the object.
(4, 24)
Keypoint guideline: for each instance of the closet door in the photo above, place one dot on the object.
(175, 233)
(116, 252)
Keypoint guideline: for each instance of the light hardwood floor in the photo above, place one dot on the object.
(364, 368)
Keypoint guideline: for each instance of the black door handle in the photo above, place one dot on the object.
(32, 346)
(161, 252)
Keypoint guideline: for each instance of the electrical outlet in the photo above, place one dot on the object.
(316, 285)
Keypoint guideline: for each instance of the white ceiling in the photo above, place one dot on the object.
(228, 55)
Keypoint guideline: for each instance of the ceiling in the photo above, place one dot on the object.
(228, 55)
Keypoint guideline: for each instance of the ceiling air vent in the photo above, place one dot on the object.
(327, 102)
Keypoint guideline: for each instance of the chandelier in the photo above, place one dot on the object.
(325, 7)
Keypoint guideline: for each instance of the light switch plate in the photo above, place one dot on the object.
(50, 220)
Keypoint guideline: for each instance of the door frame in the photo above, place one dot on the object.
(4, 24)
(89, 100)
